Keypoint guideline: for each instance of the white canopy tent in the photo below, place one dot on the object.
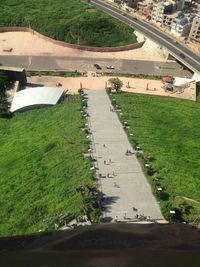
(36, 97)
(178, 81)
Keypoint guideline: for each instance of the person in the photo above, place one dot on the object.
(110, 161)
(116, 218)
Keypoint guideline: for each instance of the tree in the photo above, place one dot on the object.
(4, 81)
(89, 197)
(116, 84)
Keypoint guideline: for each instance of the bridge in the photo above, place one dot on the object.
(177, 50)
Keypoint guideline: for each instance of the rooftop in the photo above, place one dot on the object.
(11, 68)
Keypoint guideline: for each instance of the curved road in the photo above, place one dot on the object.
(190, 59)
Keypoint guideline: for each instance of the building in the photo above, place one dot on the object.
(15, 74)
(36, 97)
(194, 35)
(181, 25)
(162, 9)
(145, 8)
(179, 4)
(168, 19)
(159, 9)
(133, 3)
(197, 5)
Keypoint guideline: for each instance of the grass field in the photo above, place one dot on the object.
(41, 165)
(168, 131)
(67, 20)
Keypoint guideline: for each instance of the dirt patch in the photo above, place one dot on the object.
(26, 43)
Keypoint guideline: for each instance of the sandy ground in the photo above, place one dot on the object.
(24, 43)
(71, 85)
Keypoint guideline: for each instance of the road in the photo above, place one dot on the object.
(87, 64)
(191, 60)
(120, 177)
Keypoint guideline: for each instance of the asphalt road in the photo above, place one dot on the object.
(191, 60)
(87, 64)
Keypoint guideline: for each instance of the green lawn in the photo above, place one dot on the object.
(65, 20)
(168, 130)
(41, 165)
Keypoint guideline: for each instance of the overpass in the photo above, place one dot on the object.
(177, 50)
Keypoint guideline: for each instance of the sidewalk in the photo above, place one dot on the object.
(120, 177)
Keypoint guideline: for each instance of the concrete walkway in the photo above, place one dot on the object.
(120, 177)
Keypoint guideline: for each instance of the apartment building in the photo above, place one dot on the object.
(168, 20)
(181, 25)
(159, 9)
(194, 35)
(162, 11)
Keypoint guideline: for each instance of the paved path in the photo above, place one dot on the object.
(126, 187)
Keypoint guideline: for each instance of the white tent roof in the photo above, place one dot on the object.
(196, 77)
(178, 81)
(36, 96)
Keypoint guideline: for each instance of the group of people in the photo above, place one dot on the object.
(142, 217)
(129, 152)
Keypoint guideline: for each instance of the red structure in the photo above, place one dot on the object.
(167, 79)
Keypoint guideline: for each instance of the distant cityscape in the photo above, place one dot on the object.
(178, 17)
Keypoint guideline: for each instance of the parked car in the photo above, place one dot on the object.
(110, 67)
(97, 66)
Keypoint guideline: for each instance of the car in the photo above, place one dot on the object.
(97, 66)
(110, 67)
(182, 55)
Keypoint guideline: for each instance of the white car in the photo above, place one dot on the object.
(110, 67)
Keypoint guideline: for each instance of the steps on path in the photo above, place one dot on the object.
(120, 177)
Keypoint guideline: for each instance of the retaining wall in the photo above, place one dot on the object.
(61, 43)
